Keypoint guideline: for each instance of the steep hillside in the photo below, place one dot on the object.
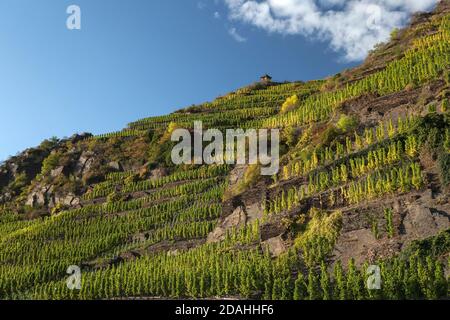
(364, 180)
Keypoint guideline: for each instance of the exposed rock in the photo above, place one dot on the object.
(172, 252)
(57, 172)
(116, 165)
(44, 195)
(272, 230)
(158, 173)
(68, 200)
(75, 201)
(372, 108)
(217, 235)
(79, 137)
(237, 219)
(84, 162)
(172, 247)
(418, 214)
(130, 255)
(237, 174)
(276, 246)
(25, 166)
(362, 246)
(420, 223)
(5, 197)
(13, 167)
(254, 212)
(397, 206)
(38, 197)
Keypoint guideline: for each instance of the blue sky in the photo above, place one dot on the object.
(132, 59)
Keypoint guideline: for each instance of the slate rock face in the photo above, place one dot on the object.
(57, 172)
(420, 223)
(276, 246)
(116, 165)
(254, 211)
(237, 174)
(237, 219)
(84, 163)
(362, 246)
(45, 195)
(39, 196)
(158, 173)
(69, 200)
(412, 221)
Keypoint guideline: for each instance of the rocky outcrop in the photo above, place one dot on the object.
(236, 175)
(158, 173)
(414, 219)
(79, 137)
(115, 165)
(237, 219)
(276, 246)
(25, 166)
(84, 163)
(69, 200)
(59, 171)
(5, 197)
(38, 197)
(45, 196)
(254, 211)
(421, 223)
(362, 246)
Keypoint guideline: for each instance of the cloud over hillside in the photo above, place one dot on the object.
(352, 27)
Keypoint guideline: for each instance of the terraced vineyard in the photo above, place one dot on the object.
(364, 181)
(184, 207)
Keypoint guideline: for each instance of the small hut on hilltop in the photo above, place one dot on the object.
(266, 79)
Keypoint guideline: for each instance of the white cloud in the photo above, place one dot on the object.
(236, 36)
(201, 5)
(350, 26)
(217, 15)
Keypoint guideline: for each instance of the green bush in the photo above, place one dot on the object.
(50, 163)
(49, 144)
(346, 123)
(290, 136)
(19, 182)
(395, 33)
(290, 104)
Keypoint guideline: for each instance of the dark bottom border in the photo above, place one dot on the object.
(159, 309)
